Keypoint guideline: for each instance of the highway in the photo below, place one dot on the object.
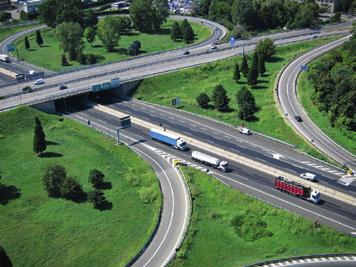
(288, 98)
(81, 81)
(175, 213)
(331, 212)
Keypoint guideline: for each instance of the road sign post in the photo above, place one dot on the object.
(125, 122)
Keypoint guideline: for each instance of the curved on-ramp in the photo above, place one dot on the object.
(291, 107)
(174, 219)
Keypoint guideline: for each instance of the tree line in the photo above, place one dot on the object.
(259, 14)
(334, 82)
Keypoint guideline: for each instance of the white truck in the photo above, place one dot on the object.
(4, 58)
(244, 130)
(210, 161)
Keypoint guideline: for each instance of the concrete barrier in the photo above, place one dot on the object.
(8, 72)
(237, 158)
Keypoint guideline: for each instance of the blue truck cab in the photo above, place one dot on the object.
(170, 139)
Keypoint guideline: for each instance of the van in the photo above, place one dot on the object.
(308, 176)
(39, 81)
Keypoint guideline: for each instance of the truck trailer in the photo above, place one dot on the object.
(170, 139)
(4, 58)
(297, 189)
(210, 161)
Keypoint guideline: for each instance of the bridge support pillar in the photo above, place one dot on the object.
(48, 107)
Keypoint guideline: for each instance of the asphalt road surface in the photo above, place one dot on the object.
(287, 93)
(331, 212)
(176, 199)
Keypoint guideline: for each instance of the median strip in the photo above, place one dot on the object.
(234, 157)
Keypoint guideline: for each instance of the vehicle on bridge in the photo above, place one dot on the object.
(4, 58)
(170, 139)
(210, 161)
(297, 190)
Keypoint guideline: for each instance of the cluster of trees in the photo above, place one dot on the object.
(60, 185)
(4, 16)
(148, 15)
(344, 6)
(334, 81)
(183, 31)
(259, 14)
(39, 40)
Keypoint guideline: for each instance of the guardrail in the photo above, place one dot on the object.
(269, 262)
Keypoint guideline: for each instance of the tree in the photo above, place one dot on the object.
(91, 59)
(244, 13)
(39, 139)
(246, 103)
(109, 32)
(134, 48)
(244, 66)
(175, 32)
(81, 58)
(220, 99)
(148, 15)
(253, 72)
(203, 100)
(237, 74)
(53, 179)
(39, 39)
(89, 35)
(70, 36)
(4, 259)
(183, 26)
(64, 61)
(266, 48)
(89, 20)
(261, 67)
(27, 43)
(71, 189)
(188, 34)
(96, 178)
(4, 16)
(97, 198)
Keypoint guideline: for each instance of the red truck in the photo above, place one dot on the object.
(296, 189)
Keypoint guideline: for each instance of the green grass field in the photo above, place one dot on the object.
(49, 55)
(269, 232)
(6, 32)
(343, 137)
(40, 231)
(189, 83)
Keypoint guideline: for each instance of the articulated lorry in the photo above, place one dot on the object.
(170, 139)
(4, 58)
(297, 189)
(210, 161)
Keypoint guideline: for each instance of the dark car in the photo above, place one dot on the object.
(63, 87)
(186, 53)
(298, 118)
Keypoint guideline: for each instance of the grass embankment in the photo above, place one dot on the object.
(49, 55)
(8, 31)
(341, 136)
(40, 231)
(265, 232)
(189, 83)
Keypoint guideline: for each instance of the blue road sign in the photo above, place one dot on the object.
(232, 40)
(304, 68)
(177, 101)
(115, 83)
(10, 48)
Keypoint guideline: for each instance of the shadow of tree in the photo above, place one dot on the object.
(106, 205)
(8, 192)
(104, 186)
(275, 59)
(51, 155)
(51, 143)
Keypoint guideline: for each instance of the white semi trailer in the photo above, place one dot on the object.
(210, 161)
(4, 58)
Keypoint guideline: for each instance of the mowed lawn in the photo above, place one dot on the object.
(8, 31)
(50, 54)
(343, 137)
(40, 231)
(213, 241)
(188, 84)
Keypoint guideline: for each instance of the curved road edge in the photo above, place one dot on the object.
(289, 106)
(175, 212)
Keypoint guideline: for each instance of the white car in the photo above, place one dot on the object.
(39, 81)
(245, 131)
(308, 176)
(213, 46)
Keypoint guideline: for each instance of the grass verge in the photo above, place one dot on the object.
(264, 232)
(8, 31)
(343, 137)
(49, 55)
(41, 231)
(189, 83)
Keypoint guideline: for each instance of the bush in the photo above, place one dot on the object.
(91, 59)
(82, 58)
(266, 48)
(53, 179)
(71, 189)
(4, 16)
(97, 198)
(203, 100)
(96, 178)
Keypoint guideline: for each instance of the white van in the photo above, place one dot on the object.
(244, 130)
(308, 176)
(39, 81)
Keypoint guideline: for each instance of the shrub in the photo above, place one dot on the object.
(71, 189)
(91, 59)
(203, 100)
(97, 198)
(96, 178)
(53, 179)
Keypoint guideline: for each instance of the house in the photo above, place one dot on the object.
(31, 6)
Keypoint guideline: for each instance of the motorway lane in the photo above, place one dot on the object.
(333, 213)
(176, 199)
(135, 69)
(287, 93)
(215, 133)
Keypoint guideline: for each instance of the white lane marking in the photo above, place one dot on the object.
(305, 162)
(325, 169)
(332, 171)
(172, 118)
(339, 173)
(193, 125)
(285, 201)
(181, 121)
(311, 164)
